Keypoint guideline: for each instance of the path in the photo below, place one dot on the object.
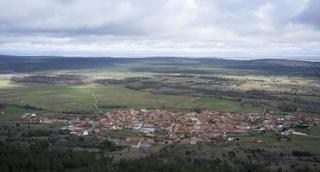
(96, 102)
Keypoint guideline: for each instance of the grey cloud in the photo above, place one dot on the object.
(164, 26)
(311, 15)
(107, 29)
(76, 17)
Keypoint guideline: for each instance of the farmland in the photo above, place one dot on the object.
(174, 83)
(78, 98)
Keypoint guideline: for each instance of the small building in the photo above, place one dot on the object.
(248, 140)
(66, 129)
(135, 142)
(144, 145)
(137, 125)
(148, 130)
(150, 140)
(149, 135)
(115, 127)
(168, 142)
(96, 131)
(187, 141)
(85, 133)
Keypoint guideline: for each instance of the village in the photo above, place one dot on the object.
(181, 127)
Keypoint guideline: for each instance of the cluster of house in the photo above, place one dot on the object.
(179, 126)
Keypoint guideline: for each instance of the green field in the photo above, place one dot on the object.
(296, 142)
(64, 85)
(61, 98)
(308, 143)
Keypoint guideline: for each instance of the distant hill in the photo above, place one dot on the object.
(10, 64)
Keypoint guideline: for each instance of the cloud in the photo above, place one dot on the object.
(311, 14)
(146, 27)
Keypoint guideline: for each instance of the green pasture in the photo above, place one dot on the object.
(79, 98)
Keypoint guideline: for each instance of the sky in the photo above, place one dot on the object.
(133, 28)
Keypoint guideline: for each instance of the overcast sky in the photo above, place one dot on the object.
(214, 28)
